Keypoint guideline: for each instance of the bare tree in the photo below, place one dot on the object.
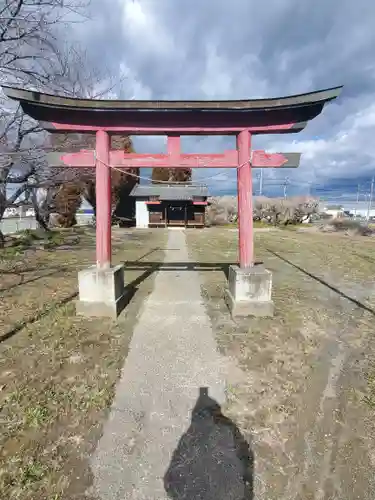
(16, 169)
(78, 78)
(172, 175)
(84, 178)
(30, 56)
(29, 31)
(294, 210)
(30, 46)
(81, 77)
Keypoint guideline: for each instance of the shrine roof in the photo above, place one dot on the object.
(169, 191)
(279, 114)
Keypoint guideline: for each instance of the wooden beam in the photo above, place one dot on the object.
(261, 159)
(83, 158)
(228, 159)
(120, 159)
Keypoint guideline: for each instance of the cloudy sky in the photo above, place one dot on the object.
(216, 49)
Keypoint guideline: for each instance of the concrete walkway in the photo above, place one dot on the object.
(172, 355)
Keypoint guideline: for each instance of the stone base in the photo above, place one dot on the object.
(249, 292)
(102, 292)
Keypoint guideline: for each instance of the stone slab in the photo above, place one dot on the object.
(248, 308)
(102, 292)
(249, 292)
(104, 309)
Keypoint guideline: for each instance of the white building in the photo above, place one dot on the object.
(141, 213)
(158, 205)
(335, 211)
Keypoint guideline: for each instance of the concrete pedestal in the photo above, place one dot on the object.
(102, 292)
(249, 291)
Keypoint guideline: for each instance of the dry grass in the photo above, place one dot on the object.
(57, 373)
(349, 226)
(303, 391)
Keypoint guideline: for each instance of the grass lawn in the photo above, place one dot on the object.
(57, 371)
(303, 382)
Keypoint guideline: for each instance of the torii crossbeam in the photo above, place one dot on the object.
(242, 118)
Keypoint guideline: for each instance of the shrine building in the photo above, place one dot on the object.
(170, 205)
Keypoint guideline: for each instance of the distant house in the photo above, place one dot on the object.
(363, 212)
(22, 211)
(335, 211)
(30, 212)
(160, 205)
(10, 212)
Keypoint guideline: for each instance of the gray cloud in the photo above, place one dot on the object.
(246, 48)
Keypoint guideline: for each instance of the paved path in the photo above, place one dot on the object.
(172, 355)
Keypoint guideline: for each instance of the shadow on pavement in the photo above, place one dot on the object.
(212, 461)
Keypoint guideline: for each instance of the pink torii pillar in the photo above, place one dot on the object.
(245, 201)
(103, 201)
(249, 286)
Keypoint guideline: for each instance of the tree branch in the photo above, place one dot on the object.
(15, 195)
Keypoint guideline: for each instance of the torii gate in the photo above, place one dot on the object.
(101, 287)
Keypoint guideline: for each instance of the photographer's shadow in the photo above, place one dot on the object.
(213, 461)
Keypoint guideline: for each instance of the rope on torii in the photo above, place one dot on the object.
(161, 181)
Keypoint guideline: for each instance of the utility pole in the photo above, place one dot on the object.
(356, 207)
(261, 182)
(370, 199)
(286, 182)
(260, 179)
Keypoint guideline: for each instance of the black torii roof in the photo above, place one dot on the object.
(297, 109)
